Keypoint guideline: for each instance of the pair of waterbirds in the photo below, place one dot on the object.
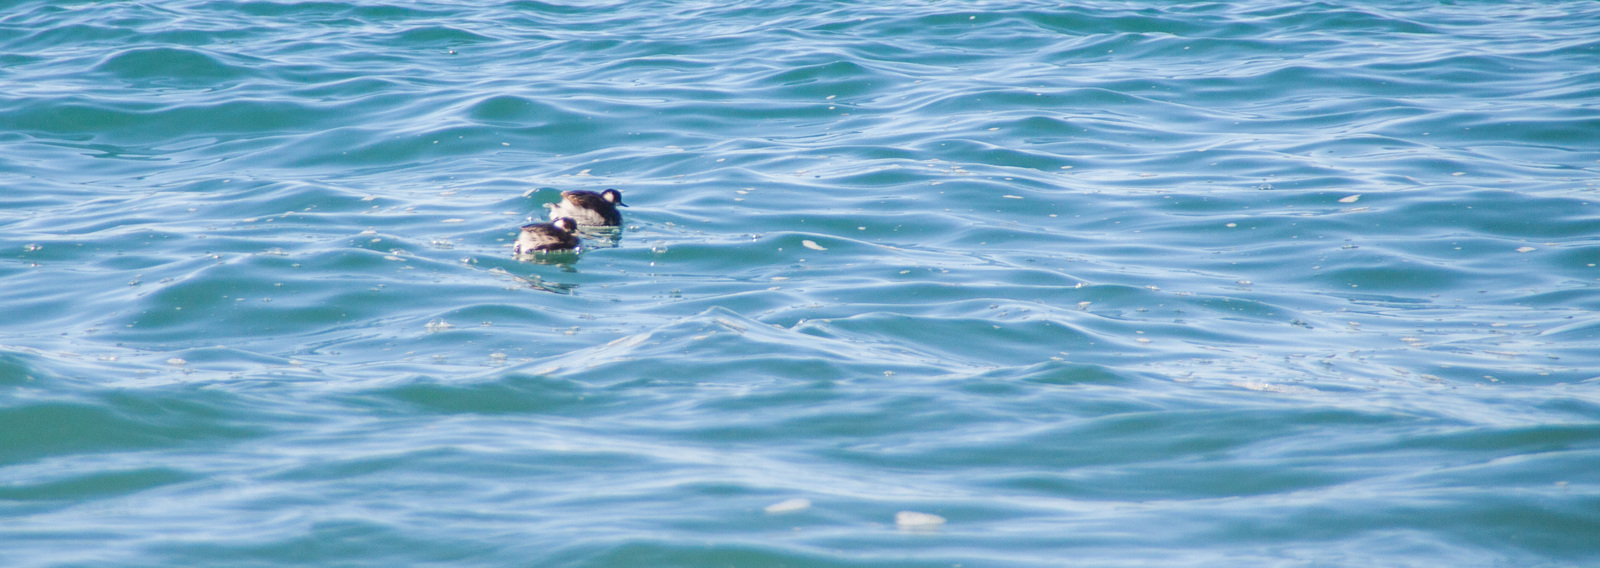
(576, 208)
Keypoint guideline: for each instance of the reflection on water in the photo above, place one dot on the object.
(562, 258)
(598, 237)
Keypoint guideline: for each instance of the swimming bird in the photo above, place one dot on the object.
(588, 207)
(555, 236)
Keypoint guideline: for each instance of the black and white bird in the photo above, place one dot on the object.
(588, 207)
(555, 236)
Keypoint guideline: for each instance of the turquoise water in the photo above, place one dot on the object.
(1100, 284)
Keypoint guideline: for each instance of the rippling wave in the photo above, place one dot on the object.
(1120, 283)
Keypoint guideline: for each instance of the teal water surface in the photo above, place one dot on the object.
(1096, 284)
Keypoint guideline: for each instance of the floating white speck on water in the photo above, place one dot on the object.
(437, 326)
(1526, 249)
(812, 245)
(788, 506)
(1269, 387)
(1231, 225)
(914, 520)
(176, 362)
(454, 221)
(1350, 199)
(1012, 196)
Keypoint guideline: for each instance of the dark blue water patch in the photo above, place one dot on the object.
(118, 422)
(1154, 482)
(1507, 440)
(535, 7)
(974, 340)
(1566, 129)
(442, 463)
(819, 80)
(326, 13)
(816, 393)
(171, 66)
(1581, 295)
(515, 110)
(1542, 526)
(669, 553)
(514, 393)
(99, 485)
(1075, 374)
(571, 132)
(1348, 20)
(1391, 277)
(1178, 438)
(436, 36)
(382, 92)
(219, 295)
(1098, 21)
(149, 123)
(358, 541)
(15, 371)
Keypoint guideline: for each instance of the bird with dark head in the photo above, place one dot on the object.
(555, 236)
(589, 208)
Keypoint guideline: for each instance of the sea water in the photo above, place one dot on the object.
(906, 283)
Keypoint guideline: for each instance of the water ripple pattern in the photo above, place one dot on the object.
(905, 283)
